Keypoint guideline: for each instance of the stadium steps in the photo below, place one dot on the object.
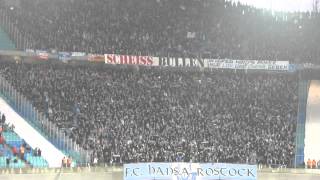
(36, 161)
(5, 42)
(15, 162)
(13, 140)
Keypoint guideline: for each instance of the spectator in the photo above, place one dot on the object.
(8, 161)
(35, 152)
(14, 151)
(2, 140)
(39, 152)
(314, 164)
(3, 119)
(22, 151)
(95, 161)
(309, 164)
(69, 161)
(64, 162)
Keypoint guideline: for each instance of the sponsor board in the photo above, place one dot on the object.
(189, 171)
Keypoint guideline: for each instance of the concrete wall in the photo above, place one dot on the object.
(312, 127)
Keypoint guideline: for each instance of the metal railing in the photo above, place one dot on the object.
(40, 122)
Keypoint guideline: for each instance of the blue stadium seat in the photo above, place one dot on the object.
(13, 140)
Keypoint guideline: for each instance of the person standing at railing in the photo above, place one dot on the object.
(8, 161)
(22, 150)
(64, 162)
(1, 138)
(14, 151)
(39, 152)
(3, 119)
(69, 161)
(314, 164)
(309, 163)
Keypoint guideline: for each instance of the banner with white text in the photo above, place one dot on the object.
(248, 64)
(189, 171)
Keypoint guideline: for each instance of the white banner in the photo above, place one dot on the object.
(131, 60)
(197, 62)
(181, 62)
(78, 54)
(189, 171)
(247, 64)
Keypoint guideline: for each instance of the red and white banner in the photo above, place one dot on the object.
(43, 55)
(96, 58)
(131, 60)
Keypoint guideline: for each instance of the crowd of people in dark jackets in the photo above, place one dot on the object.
(207, 28)
(150, 114)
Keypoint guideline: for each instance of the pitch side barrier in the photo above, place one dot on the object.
(189, 171)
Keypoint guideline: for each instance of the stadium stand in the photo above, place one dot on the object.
(216, 29)
(130, 114)
(125, 114)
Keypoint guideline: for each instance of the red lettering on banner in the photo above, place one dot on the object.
(149, 60)
(123, 59)
(142, 60)
(111, 58)
(131, 59)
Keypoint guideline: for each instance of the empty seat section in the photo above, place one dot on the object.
(36, 161)
(12, 139)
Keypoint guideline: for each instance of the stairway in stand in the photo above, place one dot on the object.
(5, 42)
(30, 159)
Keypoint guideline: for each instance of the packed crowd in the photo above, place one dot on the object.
(210, 28)
(148, 114)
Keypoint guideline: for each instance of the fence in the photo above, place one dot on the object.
(41, 123)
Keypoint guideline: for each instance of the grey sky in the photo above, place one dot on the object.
(281, 5)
